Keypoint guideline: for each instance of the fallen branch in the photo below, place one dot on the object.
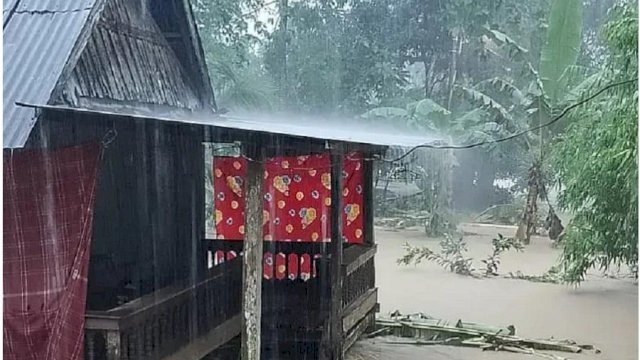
(552, 276)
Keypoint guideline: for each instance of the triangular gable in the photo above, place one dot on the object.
(128, 61)
(44, 41)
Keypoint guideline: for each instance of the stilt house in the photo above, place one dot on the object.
(107, 107)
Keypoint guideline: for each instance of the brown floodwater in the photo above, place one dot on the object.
(601, 311)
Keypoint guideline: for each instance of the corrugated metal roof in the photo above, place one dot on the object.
(7, 6)
(38, 39)
(329, 128)
(347, 130)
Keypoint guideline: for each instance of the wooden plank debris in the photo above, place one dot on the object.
(425, 330)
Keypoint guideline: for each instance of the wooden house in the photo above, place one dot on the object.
(130, 73)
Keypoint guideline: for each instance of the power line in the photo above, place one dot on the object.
(486, 142)
(513, 136)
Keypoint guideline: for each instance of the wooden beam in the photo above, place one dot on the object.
(218, 336)
(356, 256)
(113, 345)
(355, 333)
(252, 258)
(96, 320)
(336, 337)
(78, 48)
(368, 199)
(359, 309)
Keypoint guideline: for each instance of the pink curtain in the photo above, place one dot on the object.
(48, 217)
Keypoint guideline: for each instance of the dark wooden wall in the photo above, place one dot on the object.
(149, 212)
(177, 22)
(128, 60)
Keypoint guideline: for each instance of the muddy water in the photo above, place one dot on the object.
(602, 311)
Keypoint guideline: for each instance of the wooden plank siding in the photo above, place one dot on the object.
(161, 325)
(149, 217)
(128, 61)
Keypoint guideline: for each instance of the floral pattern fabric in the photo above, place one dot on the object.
(297, 198)
(300, 266)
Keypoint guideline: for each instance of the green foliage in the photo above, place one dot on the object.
(459, 67)
(562, 46)
(596, 161)
(236, 73)
(450, 257)
(242, 86)
(488, 104)
(500, 244)
(427, 107)
(551, 276)
(504, 39)
(335, 59)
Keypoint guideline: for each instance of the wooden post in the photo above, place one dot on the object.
(252, 258)
(335, 318)
(369, 208)
(113, 345)
(368, 200)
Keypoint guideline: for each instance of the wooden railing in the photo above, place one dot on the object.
(358, 272)
(358, 268)
(296, 311)
(359, 294)
(289, 301)
(295, 255)
(173, 322)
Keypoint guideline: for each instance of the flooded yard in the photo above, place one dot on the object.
(602, 311)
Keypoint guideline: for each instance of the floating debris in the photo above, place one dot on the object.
(420, 329)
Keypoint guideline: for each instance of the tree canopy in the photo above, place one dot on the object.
(596, 159)
(470, 70)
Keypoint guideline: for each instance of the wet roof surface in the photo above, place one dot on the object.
(39, 36)
(351, 130)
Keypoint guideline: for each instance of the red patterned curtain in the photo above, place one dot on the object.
(48, 216)
(297, 198)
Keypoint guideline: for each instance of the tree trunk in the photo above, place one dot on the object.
(528, 224)
(284, 10)
(428, 74)
(456, 50)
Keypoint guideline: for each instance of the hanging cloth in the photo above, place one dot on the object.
(48, 216)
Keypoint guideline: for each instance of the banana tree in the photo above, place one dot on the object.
(558, 82)
(557, 64)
